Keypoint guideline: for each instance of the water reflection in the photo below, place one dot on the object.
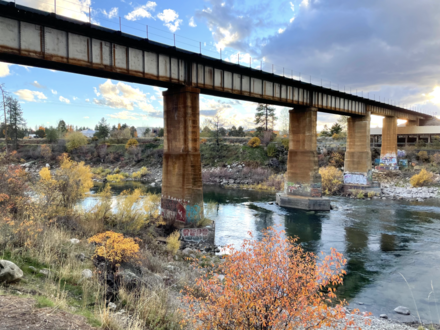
(379, 239)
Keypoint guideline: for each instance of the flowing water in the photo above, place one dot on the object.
(380, 239)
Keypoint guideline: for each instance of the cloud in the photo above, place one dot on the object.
(112, 13)
(36, 84)
(191, 22)
(54, 91)
(122, 96)
(74, 98)
(170, 19)
(142, 12)
(31, 96)
(77, 9)
(128, 115)
(86, 117)
(87, 100)
(63, 99)
(357, 44)
(4, 69)
(280, 30)
(233, 27)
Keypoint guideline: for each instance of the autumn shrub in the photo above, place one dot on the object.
(132, 211)
(75, 140)
(173, 243)
(272, 150)
(115, 177)
(131, 143)
(336, 159)
(114, 247)
(336, 136)
(285, 143)
(45, 151)
(254, 142)
(435, 159)
(142, 172)
(269, 284)
(423, 178)
(66, 185)
(332, 180)
(423, 156)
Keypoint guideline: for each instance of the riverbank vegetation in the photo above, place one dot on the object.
(98, 260)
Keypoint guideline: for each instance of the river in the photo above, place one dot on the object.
(380, 239)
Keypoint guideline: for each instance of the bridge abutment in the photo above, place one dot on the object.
(182, 190)
(303, 188)
(388, 153)
(357, 165)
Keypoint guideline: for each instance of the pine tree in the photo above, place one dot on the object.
(62, 127)
(102, 129)
(265, 117)
(15, 118)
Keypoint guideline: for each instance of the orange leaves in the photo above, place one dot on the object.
(114, 247)
(269, 284)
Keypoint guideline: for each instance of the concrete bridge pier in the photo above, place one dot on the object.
(357, 166)
(182, 190)
(303, 188)
(388, 153)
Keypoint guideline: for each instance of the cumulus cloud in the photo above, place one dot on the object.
(112, 13)
(171, 19)
(31, 96)
(191, 22)
(142, 12)
(122, 96)
(36, 84)
(77, 9)
(232, 27)
(63, 99)
(4, 69)
(128, 115)
(359, 45)
(54, 91)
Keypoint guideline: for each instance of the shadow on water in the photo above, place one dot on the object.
(379, 239)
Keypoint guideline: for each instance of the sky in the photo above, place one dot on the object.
(387, 49)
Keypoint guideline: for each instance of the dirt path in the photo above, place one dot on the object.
(20, 313)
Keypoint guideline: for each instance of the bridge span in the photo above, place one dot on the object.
(40, 39)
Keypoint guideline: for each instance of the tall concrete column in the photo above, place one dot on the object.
(182, 190)
(357, 166)
(388, 154)
(303, 182)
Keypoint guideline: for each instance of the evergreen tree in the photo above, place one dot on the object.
(241, 132)
(132, 131)
(15, 119)
(161, 132)
(147, 131)
(102, 129)
(62, 128)
(265, 117)
(233, 131)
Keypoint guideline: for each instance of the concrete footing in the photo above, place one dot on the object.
(353, 188)
(303, 202)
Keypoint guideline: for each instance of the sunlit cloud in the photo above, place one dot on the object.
(31, 96)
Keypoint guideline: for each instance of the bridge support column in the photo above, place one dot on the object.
(357, 166)
(303, 182)
(182, 191)
(388, 153)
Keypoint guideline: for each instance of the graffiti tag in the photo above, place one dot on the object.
(193, 213)
(194, 234)
(350, 178)
(173, 209)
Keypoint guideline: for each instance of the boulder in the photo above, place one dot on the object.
(402, 310)
(86, 273)
(9, 272)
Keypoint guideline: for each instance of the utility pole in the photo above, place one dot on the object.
(4, 110)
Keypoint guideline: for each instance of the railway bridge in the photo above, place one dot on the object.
(41, 39)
